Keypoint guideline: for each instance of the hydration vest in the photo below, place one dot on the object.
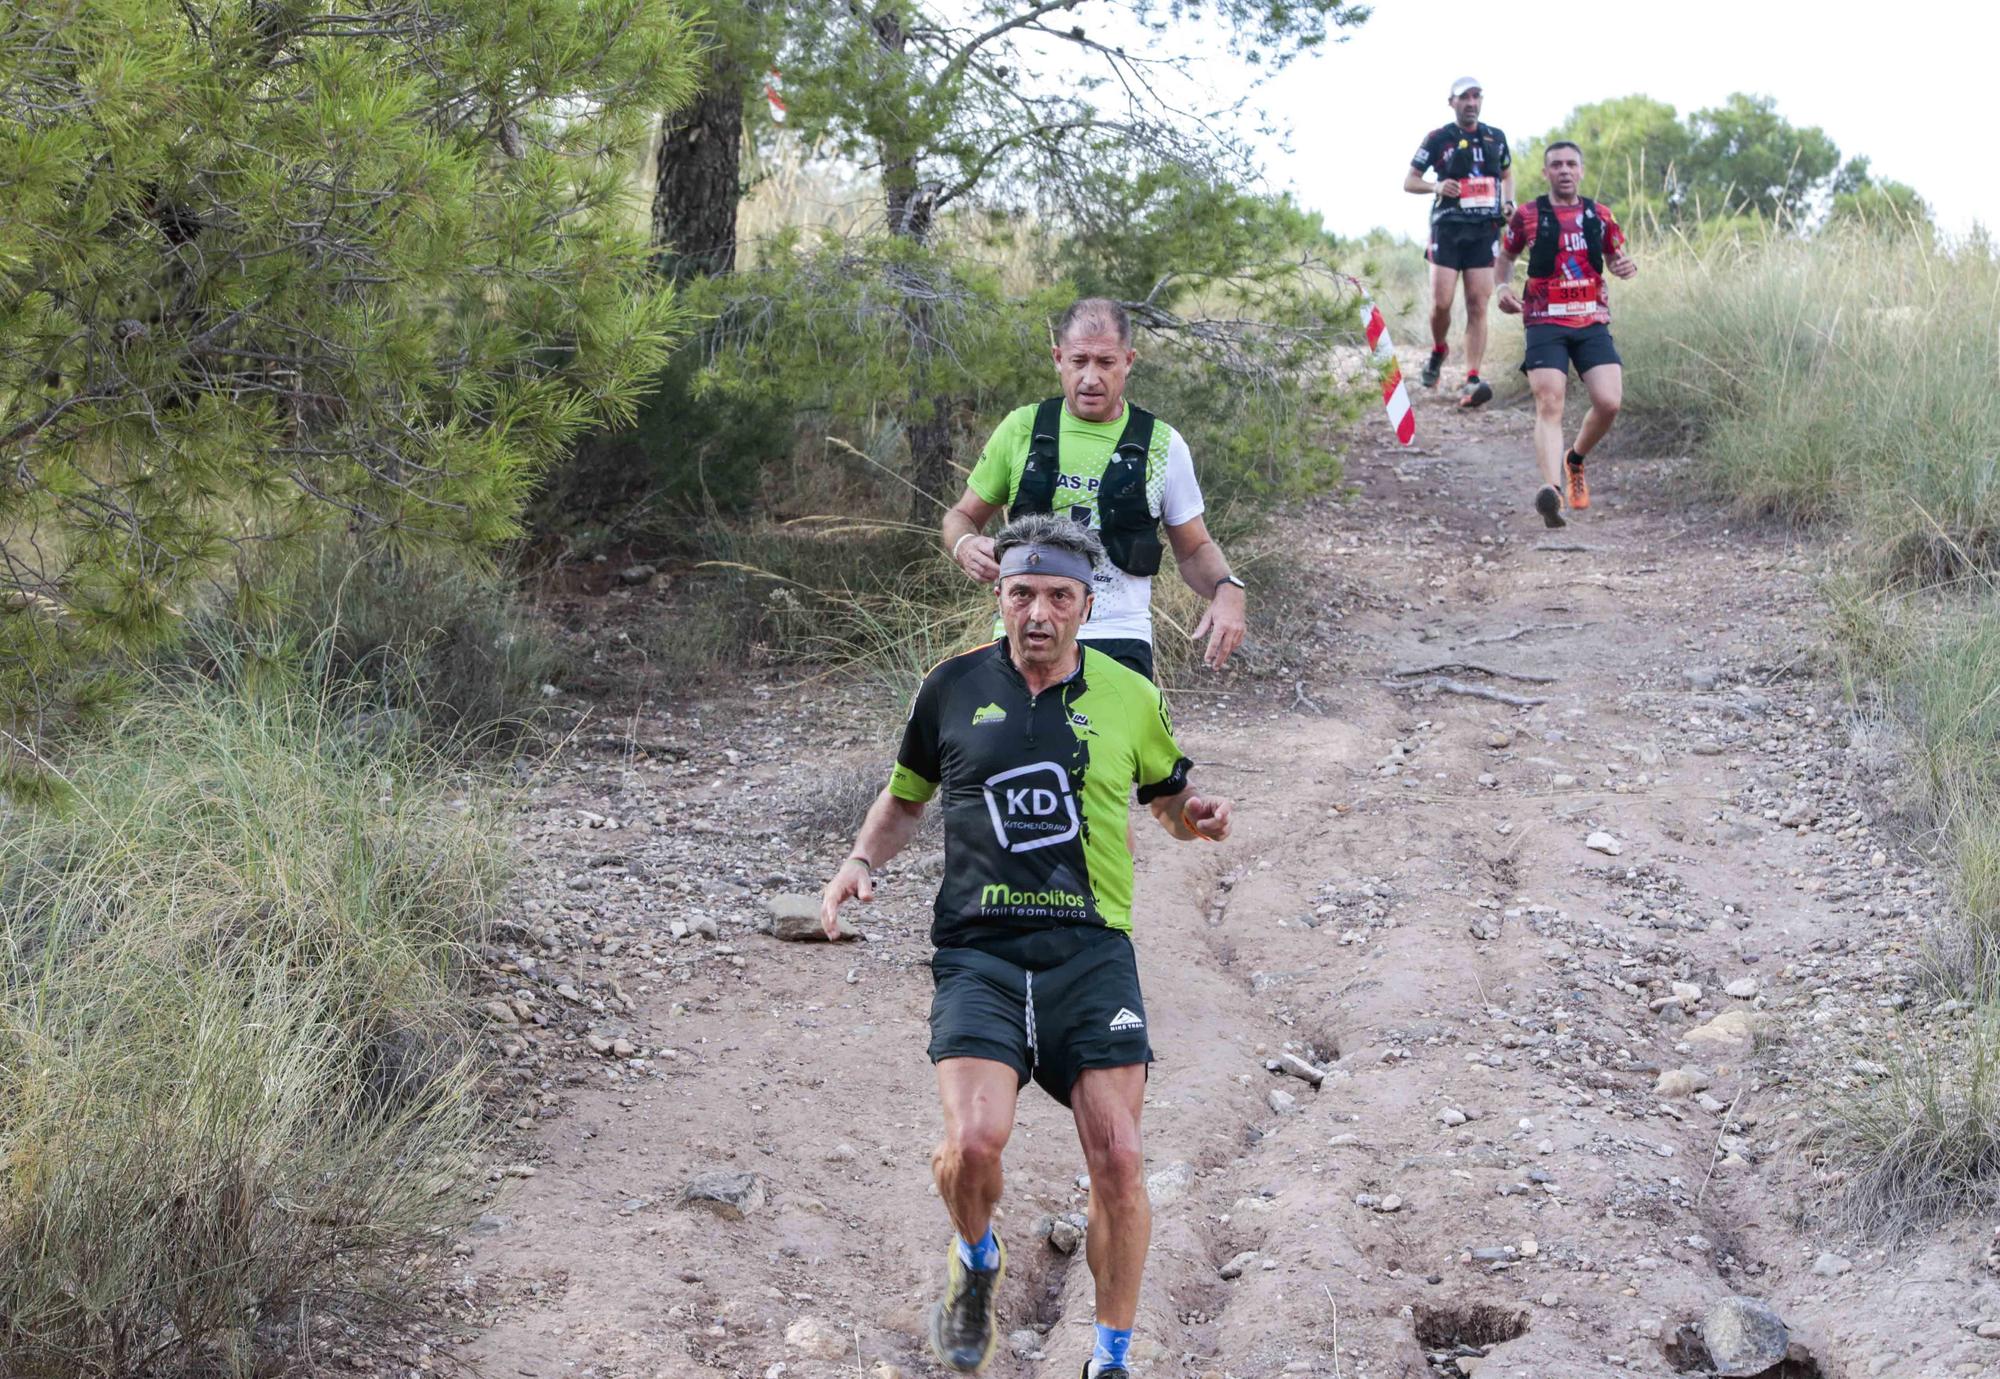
(1125, 519)
(1542, 258)
(1460, 163)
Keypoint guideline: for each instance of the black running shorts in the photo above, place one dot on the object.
(1463, 244)
(1557, 347)
(1129, 652)
(1050, 1025)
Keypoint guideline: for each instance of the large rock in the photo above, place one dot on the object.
(795, 919)
(1171, 1183)
(1067, 1232)
(1744, 1337)
(1680, 1082)
(816, 1338)
(731, 1196)
(1730, 1027)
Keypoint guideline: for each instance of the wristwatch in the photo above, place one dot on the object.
(1227, 579)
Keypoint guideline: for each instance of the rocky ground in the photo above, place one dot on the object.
(1486, 1046)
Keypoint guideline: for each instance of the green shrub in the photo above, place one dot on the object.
(446, 644)
(272, 271)
(688, 450)
(235, 1088)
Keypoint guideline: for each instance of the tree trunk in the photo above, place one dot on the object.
(911, 208)
(930, 462)
(700, 162)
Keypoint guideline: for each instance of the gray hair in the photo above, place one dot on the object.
(1100, 313)
(1047, 529)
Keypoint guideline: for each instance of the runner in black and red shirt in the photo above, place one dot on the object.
(1474, 193)
(1570, 240)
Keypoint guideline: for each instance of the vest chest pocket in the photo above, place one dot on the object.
(1131, 533)
(1124, 515)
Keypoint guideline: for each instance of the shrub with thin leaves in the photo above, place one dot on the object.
(448, 645)
(1924, 1147)
(235, 1087)
(277, 269)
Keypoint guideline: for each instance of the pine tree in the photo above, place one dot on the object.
(948, 109)
(276, 266)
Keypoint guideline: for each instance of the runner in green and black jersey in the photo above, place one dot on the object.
(1094, 457)
(1031, 744)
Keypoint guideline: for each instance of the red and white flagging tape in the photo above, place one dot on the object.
(1395, 396)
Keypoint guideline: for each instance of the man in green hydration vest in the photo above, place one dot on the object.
(1093, 457)
(1030, 745)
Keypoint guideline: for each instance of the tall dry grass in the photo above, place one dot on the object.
(1846, 378)
(1851, 381)
(235, 1086)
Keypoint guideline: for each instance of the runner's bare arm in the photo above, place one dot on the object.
(1621, 264)
(1203, 566)
(887, 830)
(1503, 282)
(963, 524)
(1188, 816)
(1413, 182)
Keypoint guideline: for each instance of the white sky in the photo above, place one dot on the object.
(1908, 87)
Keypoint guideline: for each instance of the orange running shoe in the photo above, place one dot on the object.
(1579, 491)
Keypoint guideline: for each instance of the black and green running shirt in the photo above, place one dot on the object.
(1034, 797)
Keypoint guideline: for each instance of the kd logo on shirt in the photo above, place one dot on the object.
(1031, 807)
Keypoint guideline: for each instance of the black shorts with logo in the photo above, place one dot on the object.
(1129, 652)
(1557, 347)
(1463, 244)
(1050, 1025)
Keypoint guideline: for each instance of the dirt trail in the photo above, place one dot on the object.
(1494, 1159)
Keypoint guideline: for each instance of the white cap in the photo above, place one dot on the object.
(1463, 85)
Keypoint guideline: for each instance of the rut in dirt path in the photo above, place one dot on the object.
(1556, 1075)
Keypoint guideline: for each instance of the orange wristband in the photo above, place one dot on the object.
(1189, 826)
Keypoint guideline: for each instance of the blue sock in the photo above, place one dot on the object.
(1111, 1346)
(983, 1255)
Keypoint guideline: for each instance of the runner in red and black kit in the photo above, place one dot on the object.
(1570, 240)
(1474, 194)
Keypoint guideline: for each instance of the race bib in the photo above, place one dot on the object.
(1575, 308)
(1479, 193)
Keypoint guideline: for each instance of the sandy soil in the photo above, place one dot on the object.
(1409, 903)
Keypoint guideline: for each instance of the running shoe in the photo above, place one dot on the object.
(1549, 504)
(1433, 368)
(962, 1321)
(1477, 392)
(1108, 1372)
(1579, 491)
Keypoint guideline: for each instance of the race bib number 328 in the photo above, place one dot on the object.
(1479, 193)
